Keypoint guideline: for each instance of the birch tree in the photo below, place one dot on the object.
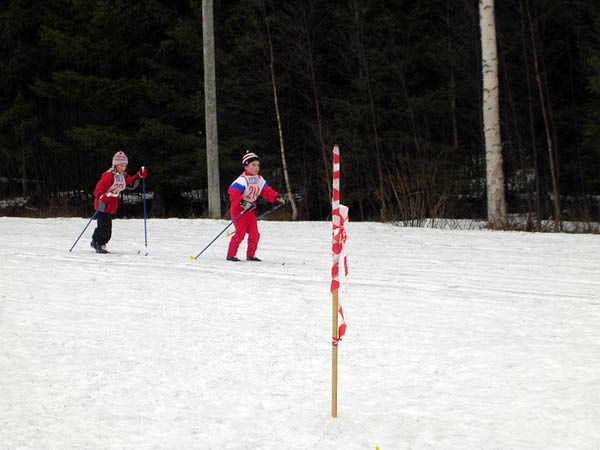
(278, 115)
(496, 203)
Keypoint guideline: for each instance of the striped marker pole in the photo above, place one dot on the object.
(335, 272)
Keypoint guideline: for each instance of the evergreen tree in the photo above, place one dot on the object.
(19, 117)
(125, 77)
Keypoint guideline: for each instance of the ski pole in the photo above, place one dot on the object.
(145, 215)
(263, 215)
(271, 211)
(88, 224)
(215, 238)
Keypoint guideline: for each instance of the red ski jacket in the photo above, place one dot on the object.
(108, 189)
(249, 187)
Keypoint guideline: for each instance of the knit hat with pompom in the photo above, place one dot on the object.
(119, 158)
(249, 157)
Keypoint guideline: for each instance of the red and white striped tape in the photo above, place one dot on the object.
(339, 217)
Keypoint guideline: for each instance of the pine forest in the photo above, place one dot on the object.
(396, 84)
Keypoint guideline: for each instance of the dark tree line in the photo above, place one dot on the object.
(397, 84)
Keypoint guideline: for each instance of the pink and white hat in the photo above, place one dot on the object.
(119, 158)
(249, 157)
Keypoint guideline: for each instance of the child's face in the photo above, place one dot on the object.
(121, 168)
(253, 167)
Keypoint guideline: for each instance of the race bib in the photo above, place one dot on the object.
(117, 186)
(253, 189)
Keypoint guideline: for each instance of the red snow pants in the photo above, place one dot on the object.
(245, 224)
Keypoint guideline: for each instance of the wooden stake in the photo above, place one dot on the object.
(334, 355)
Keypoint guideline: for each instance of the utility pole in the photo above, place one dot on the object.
(210, 111)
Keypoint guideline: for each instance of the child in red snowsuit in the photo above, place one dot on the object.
(243, 192)
(106, 201)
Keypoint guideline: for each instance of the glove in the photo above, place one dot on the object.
(246, 205)
(142, 173)
(102, 203)
(281, 200)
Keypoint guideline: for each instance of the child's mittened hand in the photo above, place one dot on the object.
(142, 173)
(246, 205)
(101, 206)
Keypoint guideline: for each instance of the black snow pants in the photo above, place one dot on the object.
(103, 230)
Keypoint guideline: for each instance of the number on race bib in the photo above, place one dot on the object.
(253, 192)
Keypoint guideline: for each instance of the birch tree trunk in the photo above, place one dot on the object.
(496, 203)
(210, 109)
(276, 102)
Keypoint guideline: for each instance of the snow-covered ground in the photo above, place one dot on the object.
(456, 339)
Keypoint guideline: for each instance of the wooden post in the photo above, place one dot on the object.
(335, 220)
(334, 356)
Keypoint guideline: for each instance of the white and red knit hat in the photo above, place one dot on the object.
(119, 158)
(249, 157)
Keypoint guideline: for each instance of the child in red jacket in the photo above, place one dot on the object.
(106, 202)
(243, 192)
